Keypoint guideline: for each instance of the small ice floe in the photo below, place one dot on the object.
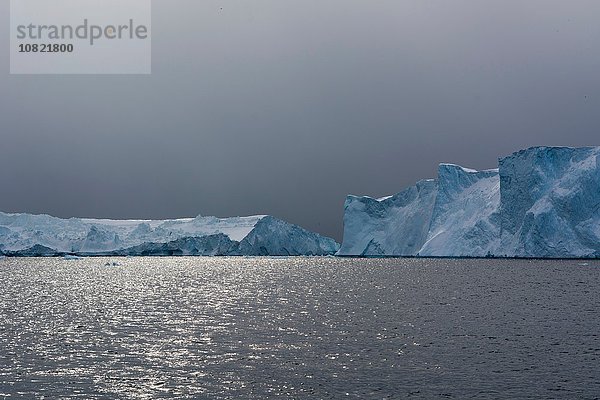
(112, 264)
(71, 257)
(584, 264)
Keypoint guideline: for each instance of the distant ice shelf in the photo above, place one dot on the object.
(43, 235)
(541, 202)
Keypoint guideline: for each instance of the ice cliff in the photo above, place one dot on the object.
(43, 235)
(541, 202)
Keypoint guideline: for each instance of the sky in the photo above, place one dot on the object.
(285, 107)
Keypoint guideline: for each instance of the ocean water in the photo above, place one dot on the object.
(301, 328)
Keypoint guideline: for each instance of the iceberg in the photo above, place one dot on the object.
(43, 235)
(540, 202)
(272, 236)
(396, 225)
(550, 203)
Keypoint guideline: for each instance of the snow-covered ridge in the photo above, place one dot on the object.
(540, 202)
(27, 234)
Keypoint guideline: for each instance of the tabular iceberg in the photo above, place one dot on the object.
(43, 235)
(541, 202)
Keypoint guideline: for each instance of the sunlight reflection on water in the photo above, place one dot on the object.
(300, 327)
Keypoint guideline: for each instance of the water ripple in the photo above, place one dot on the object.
(224, 328)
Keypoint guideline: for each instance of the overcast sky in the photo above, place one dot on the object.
(285, 107)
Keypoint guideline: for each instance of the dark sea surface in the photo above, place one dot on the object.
(300, 328)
